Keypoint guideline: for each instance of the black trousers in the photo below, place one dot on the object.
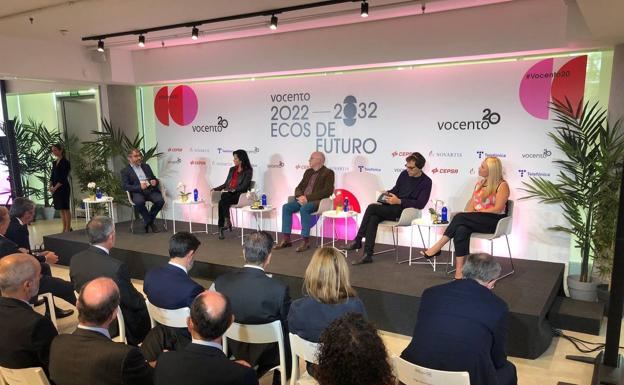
(464, 224)
(374, 214)
(55, 286)
(227, 199)
(161, 338)
(152, 195)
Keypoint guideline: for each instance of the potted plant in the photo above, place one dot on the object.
(593, 152)
(182, 192)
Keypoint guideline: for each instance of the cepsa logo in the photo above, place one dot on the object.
(174, 149)
(198, 163)
(445, 170)
(181, 105)
(401, 153)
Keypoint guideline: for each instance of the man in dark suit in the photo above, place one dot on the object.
(170, 287)
(48, 284)
(462, 326)
(96, 262)
(202, 361)
(257, 299)
(25, 334)
(139, 180)
(317, 183)
(88, 356)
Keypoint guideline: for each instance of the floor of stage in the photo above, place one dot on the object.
(390, 291)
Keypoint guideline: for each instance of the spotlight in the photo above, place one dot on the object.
(273, 25)
(100, 46)
(364, 9)
(141, 41)
(195, 33)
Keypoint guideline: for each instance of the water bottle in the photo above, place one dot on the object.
(195, 195)
(346, 205)
(98, 193)
(264, 200)
(444, 214)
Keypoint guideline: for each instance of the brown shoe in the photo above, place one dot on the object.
(303, 247)
(283, 244)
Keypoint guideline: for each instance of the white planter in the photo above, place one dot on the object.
(583, 291)
(48, 213)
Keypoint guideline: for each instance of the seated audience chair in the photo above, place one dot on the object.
(259, 334)
(49, 303)
(26, 376)
(173, 318)
(301, 348)
(412, 374)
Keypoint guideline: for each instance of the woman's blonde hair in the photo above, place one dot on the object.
(495, 175)
(327, 277)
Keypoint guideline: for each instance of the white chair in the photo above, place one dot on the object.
(326, 204)
(163, 211)
(49, 300)
(215, 197)
(412, 374)
(173, 318)
(301, 348)
(259, 334)
(503, 228)
(408, 215)
(26, 376)
(121, 338)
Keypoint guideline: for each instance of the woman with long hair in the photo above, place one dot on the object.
(59, 185)
(237, 182)
(485, 208)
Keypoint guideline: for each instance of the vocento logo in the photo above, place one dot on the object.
(279, 164)
(545, 154)
(541, 84)
(181, 105)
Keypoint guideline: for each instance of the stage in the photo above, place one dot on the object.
(391, 292)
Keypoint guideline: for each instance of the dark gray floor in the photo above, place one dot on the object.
(390, 291)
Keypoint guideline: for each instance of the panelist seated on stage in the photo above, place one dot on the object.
(462, 326)
(485, 208)
(412, 189)
(317, 183)
(19, 233)
(138, 179)
(237, 182)
(25, 334)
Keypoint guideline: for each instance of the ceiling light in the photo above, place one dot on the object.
(141, 41)
(100, 46)
(195, 33)
(273, 25)
(364, 9)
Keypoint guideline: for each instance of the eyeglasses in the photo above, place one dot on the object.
(410, 167)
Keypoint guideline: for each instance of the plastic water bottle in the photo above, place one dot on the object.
(444, 214)
(195, 195)
(346, 205)
(264, 200)
(98, 193)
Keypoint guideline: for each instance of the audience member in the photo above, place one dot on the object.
(202, 362)
(96, 262)
(170, 287)
(352, 353)
(257, 299)
(25, 334)
(462, 326)
(88, 355)
(48, 284)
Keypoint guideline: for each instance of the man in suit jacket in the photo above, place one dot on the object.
(203, 362)
(25, 334)
(88, 356)
(257, 299)
(96, 262)
(317, 183)
(462, 326)
(139, 180)
(170, 287)
(48, 284)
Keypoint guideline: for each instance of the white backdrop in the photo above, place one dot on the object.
(366, 123)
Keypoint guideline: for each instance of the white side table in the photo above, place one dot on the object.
(259, 224)
(426, 222)
(189, 204)
(334, 214)
(108, 201)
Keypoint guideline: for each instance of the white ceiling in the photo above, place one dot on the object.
(69, 21)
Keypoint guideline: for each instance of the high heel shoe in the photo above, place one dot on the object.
(424, 254)
(228, 224)
(221, 235)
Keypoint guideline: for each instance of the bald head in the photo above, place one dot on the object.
(97, 302)
(19, 276)
(317, 160)
(5, 220)
(211, 315)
